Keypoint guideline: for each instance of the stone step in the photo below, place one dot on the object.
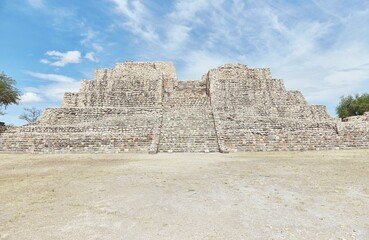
(189, 146)
(204, 137)
(188, 123)
(188, 150)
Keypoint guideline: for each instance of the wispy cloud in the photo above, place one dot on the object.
(306, 43)
(137, 18)
(52, 77)
(36, 3)
(91, 56)
(90, 38)
(55, 85)
(60, 59)
(187, 10)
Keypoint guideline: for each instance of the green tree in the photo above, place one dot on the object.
(8, 93)
(353, 105)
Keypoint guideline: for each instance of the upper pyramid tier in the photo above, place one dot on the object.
(247, 92)
(128, 84)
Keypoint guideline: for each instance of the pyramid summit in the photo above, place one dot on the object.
(142, 107)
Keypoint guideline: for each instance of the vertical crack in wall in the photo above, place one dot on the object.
(157, 135)
(221, 145)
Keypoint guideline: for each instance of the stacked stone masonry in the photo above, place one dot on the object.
(142, 107)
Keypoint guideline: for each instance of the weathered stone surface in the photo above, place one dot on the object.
(142, 107)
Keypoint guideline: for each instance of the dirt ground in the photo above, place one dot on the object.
(283, 195)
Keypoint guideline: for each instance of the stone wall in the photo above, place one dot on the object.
(254, 112)
(142, 107)
(86, 130)
(129, 84)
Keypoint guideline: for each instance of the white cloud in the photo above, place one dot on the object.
(45, 61)
(36, 3)
(56, 87)
(30, 97)
(55, 92)
(60, 59)
(91, 56)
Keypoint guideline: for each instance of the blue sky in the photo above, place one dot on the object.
(320, 47)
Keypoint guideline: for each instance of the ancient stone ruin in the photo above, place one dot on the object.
(142, 107)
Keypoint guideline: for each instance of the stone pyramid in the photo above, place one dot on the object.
(142, 107)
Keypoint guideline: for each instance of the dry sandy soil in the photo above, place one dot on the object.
(284, 195)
